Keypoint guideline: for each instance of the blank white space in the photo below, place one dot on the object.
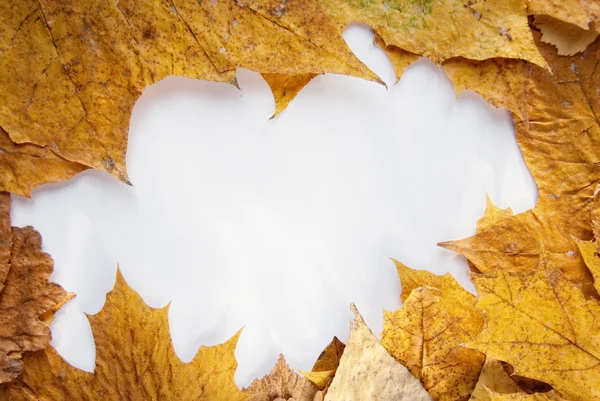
(277, 225)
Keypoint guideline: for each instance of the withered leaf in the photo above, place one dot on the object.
(544, 326)
(492, 215)
(285, 88)
(27, 299)
(549, 396)
(426, 338)
(368, 373)
(568, 39)
(25, 166)
(442, 30)
(494, 378)
(577, 12)
(282, 383)
(92, 60)
(326, 365)
(135, 360)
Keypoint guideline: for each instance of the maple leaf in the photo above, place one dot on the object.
(494, 378)
(544, 326)
(492, 215)
(495, 28)
(577, 12)
(549, 396)
(27, 299)
(26, 166)
(135, 360)
(568, 39)
(368, 373)
(326, 364)
(281, 383)
(92, 60)
(426, 338)
(285, 88)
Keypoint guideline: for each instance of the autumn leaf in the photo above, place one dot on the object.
(27, 299)
(577, 12)
(426, 338)
(493, 378)
(549, 396)
(326, 365)
(368, 373)
(568, 39)
(544, 326)
(282, 383)
(135, 360)
(285, 88)
(92, 60)
(492, 215)
(25, 166)
(442, 30)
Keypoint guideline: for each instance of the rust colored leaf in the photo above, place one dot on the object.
(27, 299)
(135, 360)
(426, 338)
(544, 326)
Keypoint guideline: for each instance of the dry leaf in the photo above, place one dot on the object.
(549, 396)
(516, 244)
(493, 377)
(544, 326)
(326, 365)
(426, 338)
(92, 59)
(442, 30)
(492, 215)
(568, 39)
(135, 360)
(368, 373)
(26, 166)
(27, 300)
(285, 88)
(577, 12)
(281, 383)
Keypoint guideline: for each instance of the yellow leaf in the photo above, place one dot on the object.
(544, 326)
(568, 39)
(459, 302)
(92, 59)
(492, 215)
(516, 244)
(26, 166)
(577, 12)
(27, 299)
(281, 383)
(426, 338)
(326, 365)
(368, 373)
(442, 30)
(135, 360)
(494, 378)
(549, 396)
(285, 88)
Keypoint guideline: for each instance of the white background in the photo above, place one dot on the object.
(277, 225)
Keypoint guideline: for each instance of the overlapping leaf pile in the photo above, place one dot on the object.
(70, 72)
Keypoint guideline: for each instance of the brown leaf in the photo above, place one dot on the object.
(281, 383)
(135, 360)
(27, 299)
(544, 326)
(368, 373)
(92, 59)
(426, 338)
